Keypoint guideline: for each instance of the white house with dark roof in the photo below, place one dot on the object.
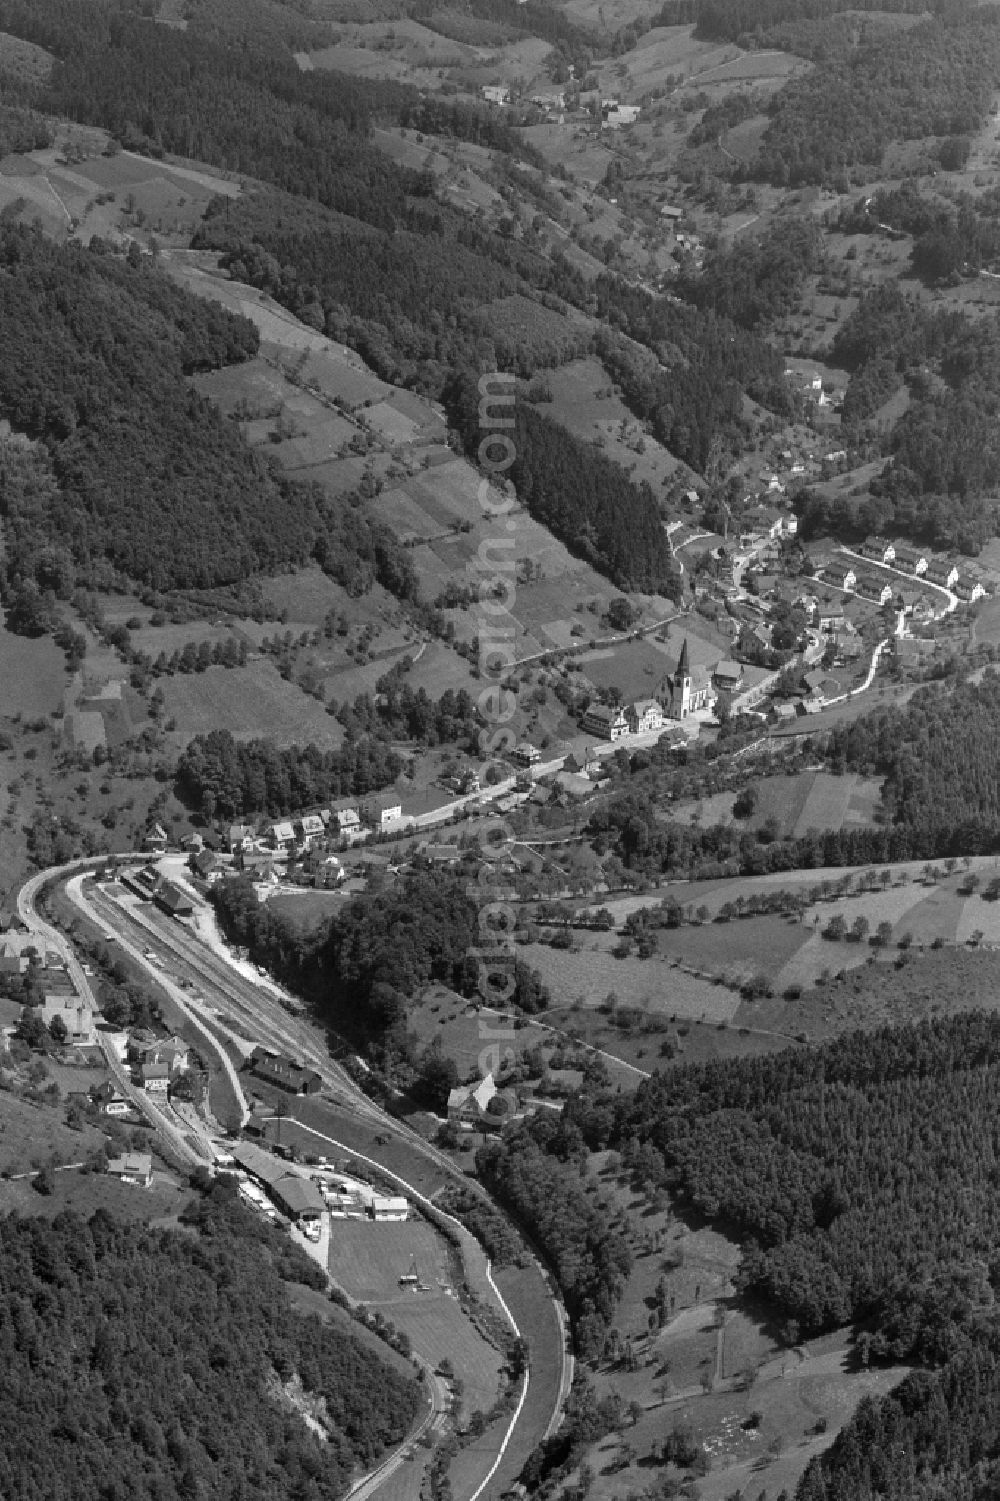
(609, 722)
(469, 1104)
(645, 716)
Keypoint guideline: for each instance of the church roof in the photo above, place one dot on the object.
(683, 664)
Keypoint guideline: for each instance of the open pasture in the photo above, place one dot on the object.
(309, 595)
(590, 973)
(32, 1136)
(661, 54)
(247, 701)
(636, 668)
(33, 673)
(585, 402)
(368, 1261)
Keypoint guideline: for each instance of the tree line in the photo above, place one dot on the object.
(858, 1174)
(143, 1364)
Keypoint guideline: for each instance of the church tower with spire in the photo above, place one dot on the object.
(681, 694)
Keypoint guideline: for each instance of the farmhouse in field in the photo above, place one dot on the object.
(479, 1104)
(615, 115)
(132, 1167)
(496, 93)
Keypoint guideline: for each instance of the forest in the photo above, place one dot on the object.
(936, 79)
(939, 484)
(859, 1175)
(144, 1365)
(149, 480)
(360, 967)
(581, 496)
(590, 1256)
(229, 779)
(934, 1438)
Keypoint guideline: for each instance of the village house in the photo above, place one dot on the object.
(496, 93)
(109, 1099)
(583, 764)
(206, 864)
(614, 115)
(382, 809)
(910, 560)
(756, 684)
(728, 676)
(281, 836)
(968, 590)
(469, 1105)
(872, 587)
(76, 1016)
(346, 816)
(240, 836)
(309, 827)
(173, 1051)
(645, 716)
(155, 1078)
(525, 754)
(671, 212)
(830, 620)
(847, 648)
(155, 839)
(610, 723)
(878, 550)
(943, 572)
(132, 1167)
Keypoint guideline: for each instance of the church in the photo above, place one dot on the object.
(687, 690)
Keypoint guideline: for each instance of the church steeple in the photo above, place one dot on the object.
(683, 665)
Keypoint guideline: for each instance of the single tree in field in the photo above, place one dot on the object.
(883, 934)
(859, 929)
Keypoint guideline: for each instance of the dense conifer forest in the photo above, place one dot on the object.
(149, 1364)
(860, 1175)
